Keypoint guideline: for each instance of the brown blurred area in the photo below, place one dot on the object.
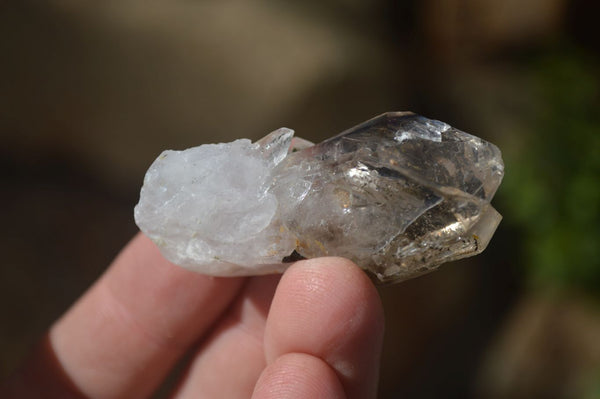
(91, 92)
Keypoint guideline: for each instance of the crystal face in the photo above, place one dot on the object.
(399, 195)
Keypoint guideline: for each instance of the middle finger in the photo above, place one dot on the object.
(234, 348)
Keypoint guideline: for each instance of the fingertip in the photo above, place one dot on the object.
(331, 288)
(339, 280)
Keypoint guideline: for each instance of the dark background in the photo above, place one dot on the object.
(91, 92)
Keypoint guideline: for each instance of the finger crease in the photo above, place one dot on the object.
(125, 315)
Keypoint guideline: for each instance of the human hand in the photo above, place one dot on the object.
(315, 334)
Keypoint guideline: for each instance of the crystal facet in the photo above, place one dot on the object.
(399, 195)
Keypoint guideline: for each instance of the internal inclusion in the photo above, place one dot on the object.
(398, 194)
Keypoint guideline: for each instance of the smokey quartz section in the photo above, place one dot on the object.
(399, 195)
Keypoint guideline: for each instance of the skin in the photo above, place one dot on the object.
(314, 332)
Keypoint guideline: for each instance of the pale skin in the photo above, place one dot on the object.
(314, 332)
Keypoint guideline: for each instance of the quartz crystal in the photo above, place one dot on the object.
(398, 195)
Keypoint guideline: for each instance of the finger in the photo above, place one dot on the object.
(328, 308)
(298, 375)
(122, 337)
(230, 361)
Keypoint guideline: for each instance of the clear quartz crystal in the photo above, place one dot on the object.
(399, 195)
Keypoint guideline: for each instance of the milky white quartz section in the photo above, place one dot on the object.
(209, 208)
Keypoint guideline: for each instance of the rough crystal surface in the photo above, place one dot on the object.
(399, 195)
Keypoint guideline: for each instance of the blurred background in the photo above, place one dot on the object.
(91, 92)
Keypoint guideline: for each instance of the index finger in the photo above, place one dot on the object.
(123, 336)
